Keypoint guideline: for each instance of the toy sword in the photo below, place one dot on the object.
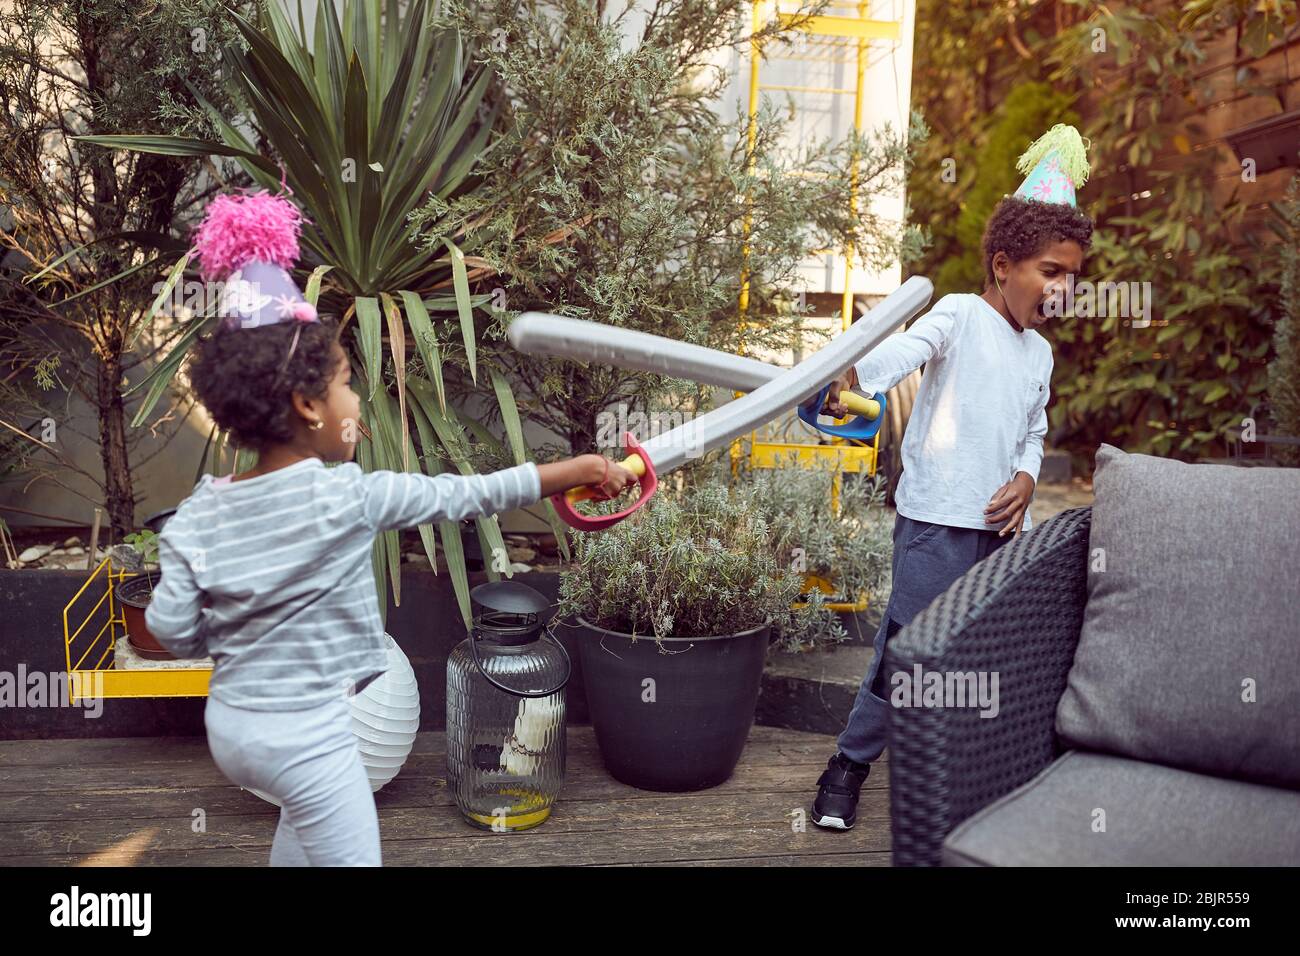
(540, 333)
(771, 390)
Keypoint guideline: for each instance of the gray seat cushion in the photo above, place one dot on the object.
(1153, 816)
(1196, 611)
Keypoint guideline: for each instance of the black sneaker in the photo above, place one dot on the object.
(836, 806)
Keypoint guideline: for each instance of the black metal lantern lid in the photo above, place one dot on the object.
(512, 614)
(509, 612)
(510, 597)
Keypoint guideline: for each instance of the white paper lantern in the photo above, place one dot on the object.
(385, 718)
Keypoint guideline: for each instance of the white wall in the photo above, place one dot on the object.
(887, 99)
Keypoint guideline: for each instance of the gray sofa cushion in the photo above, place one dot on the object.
(1153, 816)
(1199, 601)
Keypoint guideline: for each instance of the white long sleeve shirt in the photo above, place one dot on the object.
(285, 560)
(981, 410)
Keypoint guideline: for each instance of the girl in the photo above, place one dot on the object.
(269, 572)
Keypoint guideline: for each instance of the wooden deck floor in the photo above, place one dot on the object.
(132, 802)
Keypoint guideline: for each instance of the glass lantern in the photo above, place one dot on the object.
(505, 710)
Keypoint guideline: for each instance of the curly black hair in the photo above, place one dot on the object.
(1022, 227)
(236, 374)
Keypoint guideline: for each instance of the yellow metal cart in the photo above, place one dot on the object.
(90, 640)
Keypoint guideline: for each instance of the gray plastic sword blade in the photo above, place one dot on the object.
(771, 389)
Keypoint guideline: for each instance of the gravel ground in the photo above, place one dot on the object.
(1052, 499)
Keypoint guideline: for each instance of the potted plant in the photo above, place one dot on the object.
(673, 608)
(299, 119)
(134, 593)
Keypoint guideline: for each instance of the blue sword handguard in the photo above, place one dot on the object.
(860, 428)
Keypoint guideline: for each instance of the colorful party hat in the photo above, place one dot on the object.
(1057, 165)
(250, 243)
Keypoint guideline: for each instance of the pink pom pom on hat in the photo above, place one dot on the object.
(237, 230)
(250, 242)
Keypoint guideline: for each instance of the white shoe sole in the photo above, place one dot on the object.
(832, 823)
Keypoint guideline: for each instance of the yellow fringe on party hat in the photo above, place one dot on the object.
(1070, 147)
(1056, 164)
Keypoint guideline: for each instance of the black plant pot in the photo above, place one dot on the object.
(157, 521)
(685, 731)
(470, 544)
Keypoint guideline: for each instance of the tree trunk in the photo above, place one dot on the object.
(581, 433)
(119, 498)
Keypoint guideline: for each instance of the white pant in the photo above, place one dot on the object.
(309, 761)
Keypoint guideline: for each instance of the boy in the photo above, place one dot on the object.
(974, 442)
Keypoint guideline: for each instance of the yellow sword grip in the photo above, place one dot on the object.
(867, 408)
(632, 463)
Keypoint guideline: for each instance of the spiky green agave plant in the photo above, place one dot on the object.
(370, 116)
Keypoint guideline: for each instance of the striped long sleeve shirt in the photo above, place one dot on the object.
(282, 562)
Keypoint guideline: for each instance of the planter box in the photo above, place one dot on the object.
(1272, 142)
(674, 719)
(426, 627)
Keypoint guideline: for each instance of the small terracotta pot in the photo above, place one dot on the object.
(133, 595)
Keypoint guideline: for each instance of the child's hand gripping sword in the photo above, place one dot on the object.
(771, 390)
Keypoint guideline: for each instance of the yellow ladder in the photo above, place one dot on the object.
(854, 457)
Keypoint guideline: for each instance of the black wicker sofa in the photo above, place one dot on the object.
(1152, 773)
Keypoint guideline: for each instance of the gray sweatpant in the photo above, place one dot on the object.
(309, 761)
(928, 558)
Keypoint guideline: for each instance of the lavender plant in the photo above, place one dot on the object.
(845, 539)
(692, 564)
(713, 554)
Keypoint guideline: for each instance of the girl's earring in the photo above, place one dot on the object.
(317, 425)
